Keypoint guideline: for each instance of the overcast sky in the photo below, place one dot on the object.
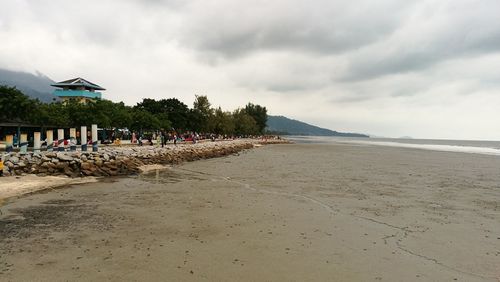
(426, 69)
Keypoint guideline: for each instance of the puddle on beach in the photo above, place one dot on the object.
(168, 176)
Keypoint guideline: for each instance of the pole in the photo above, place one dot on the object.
(36, 142)
(60, 140)
(50, 140)
(18, 137)
(23, 144)
(72, 139)
(9, 143)
(95, 139)
(83, 136)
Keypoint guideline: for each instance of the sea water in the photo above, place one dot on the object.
(462, 146)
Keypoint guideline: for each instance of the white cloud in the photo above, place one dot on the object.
(392, 68)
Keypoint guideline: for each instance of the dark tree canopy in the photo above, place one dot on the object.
(259, 114)
(244, 123)
(15, 106)
(178, 113)
(149, 114)
(202, 113)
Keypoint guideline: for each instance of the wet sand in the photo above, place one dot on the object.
(332, 212)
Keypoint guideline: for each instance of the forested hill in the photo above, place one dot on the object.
(35, 86)
(284, 125)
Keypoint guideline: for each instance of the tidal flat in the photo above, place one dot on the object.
(298, 212)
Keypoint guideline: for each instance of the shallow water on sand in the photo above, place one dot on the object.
(459, 146)
(304, 212)
(165, 176)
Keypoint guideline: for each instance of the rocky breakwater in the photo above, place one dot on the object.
(112, 161)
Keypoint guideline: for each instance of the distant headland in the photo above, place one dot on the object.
(285, 126)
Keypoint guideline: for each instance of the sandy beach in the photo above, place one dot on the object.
(301, 212)
(21, 185)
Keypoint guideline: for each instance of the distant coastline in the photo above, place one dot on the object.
(280, 125)
(338, 134)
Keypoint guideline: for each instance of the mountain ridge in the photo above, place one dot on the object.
(35, 86)
(286, 126)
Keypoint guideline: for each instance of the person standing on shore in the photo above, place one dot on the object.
(1, 165)
(163, 138)
(15, 141)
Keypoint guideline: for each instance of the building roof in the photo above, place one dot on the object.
(78, 82)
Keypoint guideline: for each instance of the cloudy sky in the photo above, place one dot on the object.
(426, 69)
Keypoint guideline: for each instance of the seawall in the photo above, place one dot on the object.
(121, 160)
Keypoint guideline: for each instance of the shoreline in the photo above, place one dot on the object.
(49, 170)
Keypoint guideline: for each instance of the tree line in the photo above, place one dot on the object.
(147, 115)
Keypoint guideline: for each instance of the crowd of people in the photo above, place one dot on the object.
(158, 138)
(161, 138)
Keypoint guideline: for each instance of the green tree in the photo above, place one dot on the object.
(151, 105)
(195, 121)
(202, 104)
(244, 123)
(169, 112)
(54, 114)
(201, 114)
(74, 112)
(178, 113)
(223, 122)
(164, 122)
(15, 106)
(259, 114)
(144, 120)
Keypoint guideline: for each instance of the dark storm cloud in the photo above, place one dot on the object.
(413, 59)
(323, 27)
(376, 39)
(462, 31)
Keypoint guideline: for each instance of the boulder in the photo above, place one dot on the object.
(51, 154)
(13, 159)
(9, 164)
(64, 157)
(68, 171)
(62, 165)
(42, 170)
(86, 166)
